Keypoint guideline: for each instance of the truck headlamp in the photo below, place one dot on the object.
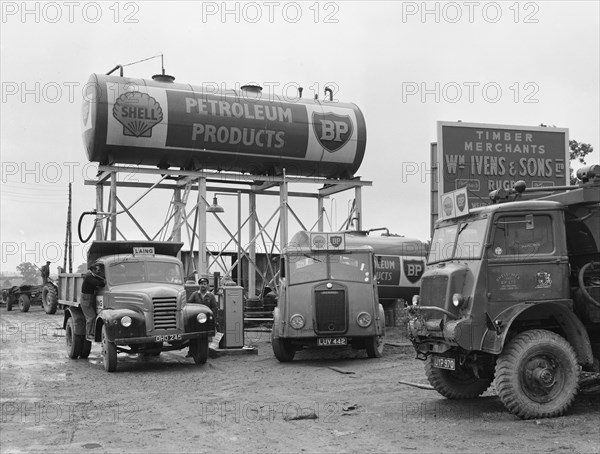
(458, 300)
(416, 300)
(297, 321)
(126, 321)
(364, 319)
(201, 317)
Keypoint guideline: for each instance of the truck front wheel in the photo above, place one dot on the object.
(109, 352)
(537, 375)
(375, 346)
(24, 302)
(461, 383)
(74, 343)
(199, 349)
(283, 350)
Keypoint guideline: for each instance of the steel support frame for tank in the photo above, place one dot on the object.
(220, 182)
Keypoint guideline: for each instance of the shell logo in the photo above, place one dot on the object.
(138, 113)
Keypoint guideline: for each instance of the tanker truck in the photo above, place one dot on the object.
(142, 307)
(512, 293)
(332, 288)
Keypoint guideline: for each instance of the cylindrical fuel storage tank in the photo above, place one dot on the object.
(399, 263)
(166, 124)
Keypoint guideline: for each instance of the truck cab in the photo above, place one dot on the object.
(142, 307)
(511, 291)
(328, 297)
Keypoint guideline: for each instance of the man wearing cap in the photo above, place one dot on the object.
(45, 272)
(94, 279)
(203, 296)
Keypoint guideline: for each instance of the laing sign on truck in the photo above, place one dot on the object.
(484, 157)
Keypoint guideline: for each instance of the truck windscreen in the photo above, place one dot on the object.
(323, 266)
(464, 240)
(134, 271)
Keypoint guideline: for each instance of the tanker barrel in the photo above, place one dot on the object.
(158, 122)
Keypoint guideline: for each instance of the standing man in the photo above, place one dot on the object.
(203, 296)
(45, 270)
(93, 280)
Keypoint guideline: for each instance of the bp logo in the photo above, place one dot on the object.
(335, 240)
(332, 130)
(413, 269)
(138, 113)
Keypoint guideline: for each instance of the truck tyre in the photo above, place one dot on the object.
(199, 349)
(456, 384)
(73, 340)
(86, 348)
(109, 352)
(50, 299)
(283, 350)
(9, 302)
(537, 375)
(375, 346)
(24, 302)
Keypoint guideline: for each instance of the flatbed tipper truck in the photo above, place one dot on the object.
(142, 307)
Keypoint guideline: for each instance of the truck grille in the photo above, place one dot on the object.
(331, 311)
(433, 291)
(165, 313)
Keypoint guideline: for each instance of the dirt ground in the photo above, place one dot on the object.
(324, 401)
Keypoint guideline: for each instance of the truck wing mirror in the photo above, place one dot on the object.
(529, 222)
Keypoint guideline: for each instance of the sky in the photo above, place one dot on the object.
(406, 65)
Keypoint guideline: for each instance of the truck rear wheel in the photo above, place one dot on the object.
(50, 299)
(461, 383)
(10, 300)
(109, 352)
(199, 349)
(375, 346)
(24, 302)
(73, 341)
(537, 375)
(86, 348)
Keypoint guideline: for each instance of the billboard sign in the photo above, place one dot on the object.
(484, 157)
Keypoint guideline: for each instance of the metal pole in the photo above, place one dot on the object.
(177, 221)
(113, 206)
(358, 207)
(252, 246)
(99, 209)
(320, 218)
(202, 268)
(239, 239)
(283, 234)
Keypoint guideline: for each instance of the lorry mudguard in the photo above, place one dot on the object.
(574, 330)
(76, 313)
(111, 318)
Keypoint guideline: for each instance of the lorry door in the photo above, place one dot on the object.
(527, 259)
